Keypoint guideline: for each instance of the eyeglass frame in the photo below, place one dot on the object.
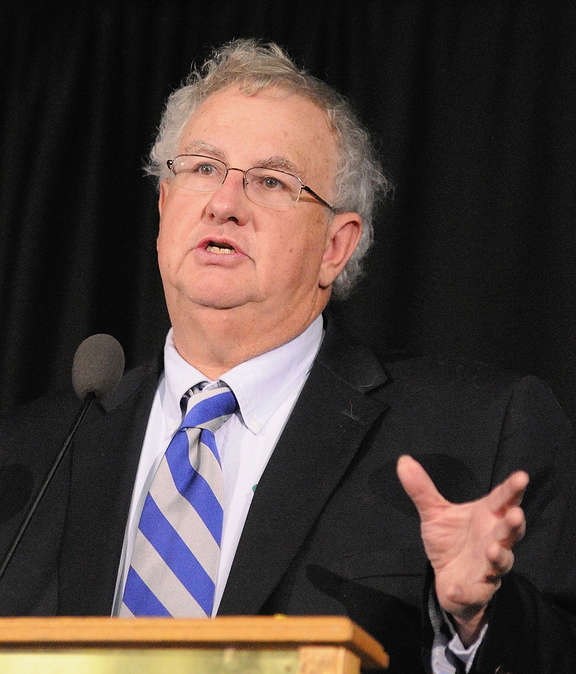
(305, 188)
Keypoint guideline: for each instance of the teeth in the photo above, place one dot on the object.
(220, 249)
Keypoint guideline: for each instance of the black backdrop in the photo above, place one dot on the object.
(473, 105)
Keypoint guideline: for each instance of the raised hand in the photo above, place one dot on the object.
(469, 545)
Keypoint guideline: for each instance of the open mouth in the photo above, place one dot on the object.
(220, 248)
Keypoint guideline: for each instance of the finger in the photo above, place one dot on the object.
(507, 532)
(500, 559)
(509, 493)
(511, 528)
(418, 484)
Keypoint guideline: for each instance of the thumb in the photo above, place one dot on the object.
(418, 485)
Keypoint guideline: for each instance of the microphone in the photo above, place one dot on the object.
(96, 372)
(97, 367)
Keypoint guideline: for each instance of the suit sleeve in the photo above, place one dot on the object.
(532, 624)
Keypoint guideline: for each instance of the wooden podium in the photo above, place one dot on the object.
(237, 645)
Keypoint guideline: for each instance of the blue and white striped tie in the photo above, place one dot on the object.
(174, 565)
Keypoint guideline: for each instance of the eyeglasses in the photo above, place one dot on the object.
(270, 187)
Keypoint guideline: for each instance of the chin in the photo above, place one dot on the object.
(220, 300)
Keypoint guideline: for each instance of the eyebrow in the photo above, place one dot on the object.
(274, 162)
(280, 163)
(201, 146)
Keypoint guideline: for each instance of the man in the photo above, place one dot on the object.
(266, 191)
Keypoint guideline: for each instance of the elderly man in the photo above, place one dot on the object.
(299, 436)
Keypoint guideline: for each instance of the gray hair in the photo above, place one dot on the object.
(254, 66)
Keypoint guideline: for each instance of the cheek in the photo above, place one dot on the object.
(299, 256)
(164, 263)
(174, 229)
(170, 219)
(162, 242)
(180, 210)
(170, 243)
(287, 250)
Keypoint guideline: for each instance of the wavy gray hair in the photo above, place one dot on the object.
(254, 66)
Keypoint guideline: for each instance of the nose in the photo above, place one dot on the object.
(229, 201)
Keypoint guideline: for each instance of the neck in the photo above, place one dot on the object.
(216, 340)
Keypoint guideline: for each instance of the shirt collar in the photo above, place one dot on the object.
(260, 384)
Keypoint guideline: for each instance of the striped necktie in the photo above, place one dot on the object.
(174, 565)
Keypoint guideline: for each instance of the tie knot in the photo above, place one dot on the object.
(210, 408)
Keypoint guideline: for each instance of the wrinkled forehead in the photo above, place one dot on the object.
(271, 122)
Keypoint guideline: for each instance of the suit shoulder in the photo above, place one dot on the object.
(59, 403)
(431, 368)
(456, 384)
(50, 406)
(42, 424)
(375, 369)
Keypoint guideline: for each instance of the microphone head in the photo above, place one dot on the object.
(98, 366)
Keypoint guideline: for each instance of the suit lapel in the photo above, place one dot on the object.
(104, 462)
(332, 416)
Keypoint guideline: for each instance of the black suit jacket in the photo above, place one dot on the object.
(330, 530)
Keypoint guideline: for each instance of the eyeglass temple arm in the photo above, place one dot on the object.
(318, 198)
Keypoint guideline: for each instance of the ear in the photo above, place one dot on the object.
(343, 236)
(164, 187)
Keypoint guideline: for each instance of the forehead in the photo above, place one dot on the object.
(250, 129)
